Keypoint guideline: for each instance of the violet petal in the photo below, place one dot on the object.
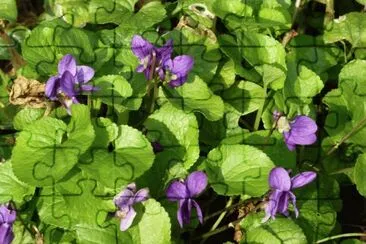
(6, 233)
(141, 195)
(301, 140)
(177, 191)
(165, 52)
(303, 125)
(279, 179)
(272, 205)
(51, 88)
(126, 222)
(67, 84)
(182, 212)
(293, 199)
(88, 88)
(196, 183)
(302, 179)
(140, 47)
(84, 73)
(67, 63)
(124, 198)
(198, 210)
(283, 203)
(7, 215)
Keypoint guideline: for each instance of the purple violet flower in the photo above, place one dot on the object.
(281, 185)
(7, 217)
(151, 58)
(183, 191)
(157, 61)
(70, 81)
(300, 131)
(125, 200)
(178, 69)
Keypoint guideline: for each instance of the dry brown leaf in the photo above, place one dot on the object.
(28, 92)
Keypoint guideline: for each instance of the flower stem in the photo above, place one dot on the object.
(221, 217)
(360, 124)
(340, 236)
(225, 227)
(153, 96)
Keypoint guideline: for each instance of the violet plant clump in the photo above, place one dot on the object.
(184, 192)
(125, 201)
(281, 191)
(188, 114)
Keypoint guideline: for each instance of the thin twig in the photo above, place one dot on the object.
(349, 134)
(340, 236)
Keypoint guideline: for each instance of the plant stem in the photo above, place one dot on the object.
(221, 217)
(340, 236)
(349, 134)
(232, 206)
(260, 110)
(225, 227)
(154, 95)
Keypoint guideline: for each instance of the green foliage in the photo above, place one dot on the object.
(274, 231)
(238, 169)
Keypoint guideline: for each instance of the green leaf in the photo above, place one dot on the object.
(154, 226)
(195, 96)
(305, 50)
(363, 2)
(79, 12)
(224, 77)
(77, 200)
(238, 169)
(21, 235)
(302, 84)
(360, 174)
(134, 23)
(11, 188)
(51, 40)
(351, 241)
(54, 234)
(131, 157)
(347, 27)
(280, 230)
(202, 46)
(53, 146)
(113, 89)
(234, 13)
(275, 17)
(26, 116)
(266, 55)
(176, 131)
(274, 146)
(94, 234)
(244, 96)
(318, 204)
(213, 132)
(105, 132)
(8, 10)
(347, 105)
